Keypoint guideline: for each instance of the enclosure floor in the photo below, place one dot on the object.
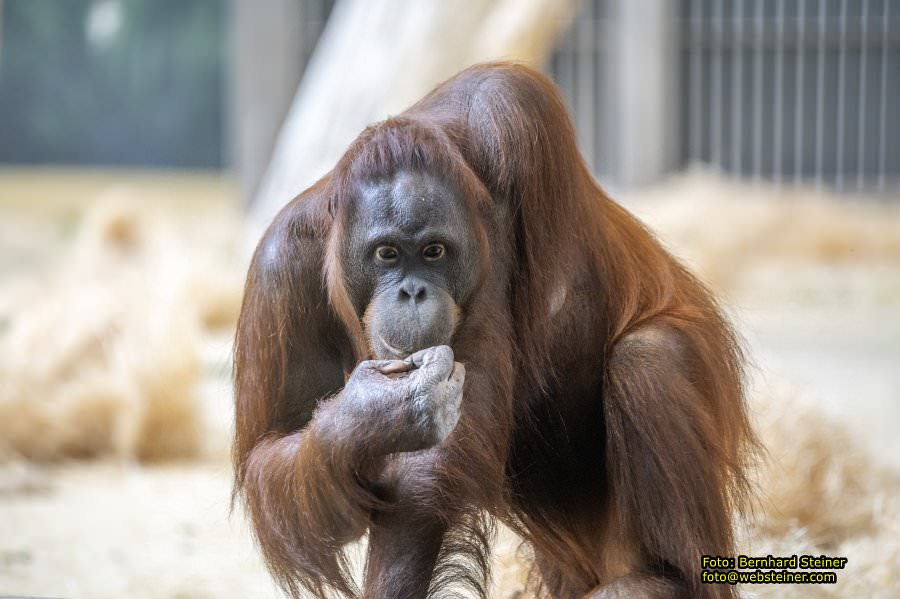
(107, 530)
(111, 530)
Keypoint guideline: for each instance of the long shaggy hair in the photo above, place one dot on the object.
(594, 360)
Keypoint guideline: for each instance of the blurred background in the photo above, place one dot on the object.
(144, 144)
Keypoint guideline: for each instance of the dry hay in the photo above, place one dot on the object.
(819, 493)
(778, 243)
(822, 493)
(100, 351)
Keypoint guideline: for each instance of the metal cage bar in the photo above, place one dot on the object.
(790, 91)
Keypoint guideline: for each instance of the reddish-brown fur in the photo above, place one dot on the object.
(603, 415)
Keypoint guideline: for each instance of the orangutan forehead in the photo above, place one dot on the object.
(408, 201)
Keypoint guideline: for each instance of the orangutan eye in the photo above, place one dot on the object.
(434, 251)
(387, 253)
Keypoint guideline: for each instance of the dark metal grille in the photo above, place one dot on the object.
(580, 66)
(794, 91)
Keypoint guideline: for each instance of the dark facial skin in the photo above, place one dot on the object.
(409, 262)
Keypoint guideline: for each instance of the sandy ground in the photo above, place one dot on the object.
(119, 529)
(112, 530)
(847, 364)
